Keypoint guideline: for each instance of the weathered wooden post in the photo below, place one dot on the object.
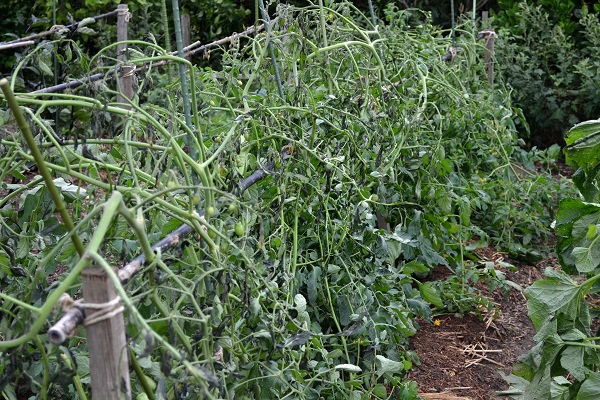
(185, 32)
(126, 75)
(105, 325)
(490, 36)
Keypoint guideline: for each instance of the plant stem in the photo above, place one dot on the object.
(140, 375)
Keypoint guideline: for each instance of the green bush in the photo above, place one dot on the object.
(552, 62)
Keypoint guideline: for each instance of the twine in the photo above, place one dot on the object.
(103, 311)
(125, 12)
(130, 70)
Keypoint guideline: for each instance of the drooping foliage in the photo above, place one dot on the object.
(383, 163)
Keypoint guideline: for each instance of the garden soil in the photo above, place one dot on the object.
(461, 356)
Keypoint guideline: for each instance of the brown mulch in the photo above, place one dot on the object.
(460, 357)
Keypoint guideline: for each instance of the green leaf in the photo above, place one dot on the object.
(86, 31)
(9, 392)
(387, 366)
(428, 293)
(313, 284)
(587, 259)
(573, 221)
(44, 69)
(86, 22)
(592, 229)
(414, 267)
(170, 226)
(70, 191)
(583, 145)
(590, 389)
(573, 335)
(344, 309)
(572, 360)
(548, 296)
(379, 391)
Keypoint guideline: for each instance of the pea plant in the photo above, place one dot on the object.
(336, 164)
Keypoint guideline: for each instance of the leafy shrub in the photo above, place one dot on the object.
(553, 71)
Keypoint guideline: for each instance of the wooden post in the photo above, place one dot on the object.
(490, 36)
(488, 58)
(109, 367)
(126, 75)
(185, 32)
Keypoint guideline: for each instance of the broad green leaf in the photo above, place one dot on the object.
(549, 296)
(394, 249)
(385, 365)
(83, 365)
(586, 184)
(576, 249)
(337, 353)
(541, 385)
(590, 389)
(428, 293)
(9, 392)
(573, 335)
(583, 145)
(170, 226)
(333, 269)
(586, 259)
(414, 267)
(517, 385)
(572, 360)
(592, 229)
(355, 395)
(379, 391)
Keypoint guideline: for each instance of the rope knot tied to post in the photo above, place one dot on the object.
(103, 311)
(124, 12)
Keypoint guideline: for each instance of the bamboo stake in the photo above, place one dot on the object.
(187, 111)
(13, 45)
(56, 28)
(185, 33)
(265, 14)
(126, 74)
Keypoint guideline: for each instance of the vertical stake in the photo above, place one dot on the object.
(490, 36)
(109, 367)
(126, 75)
(185, 32)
